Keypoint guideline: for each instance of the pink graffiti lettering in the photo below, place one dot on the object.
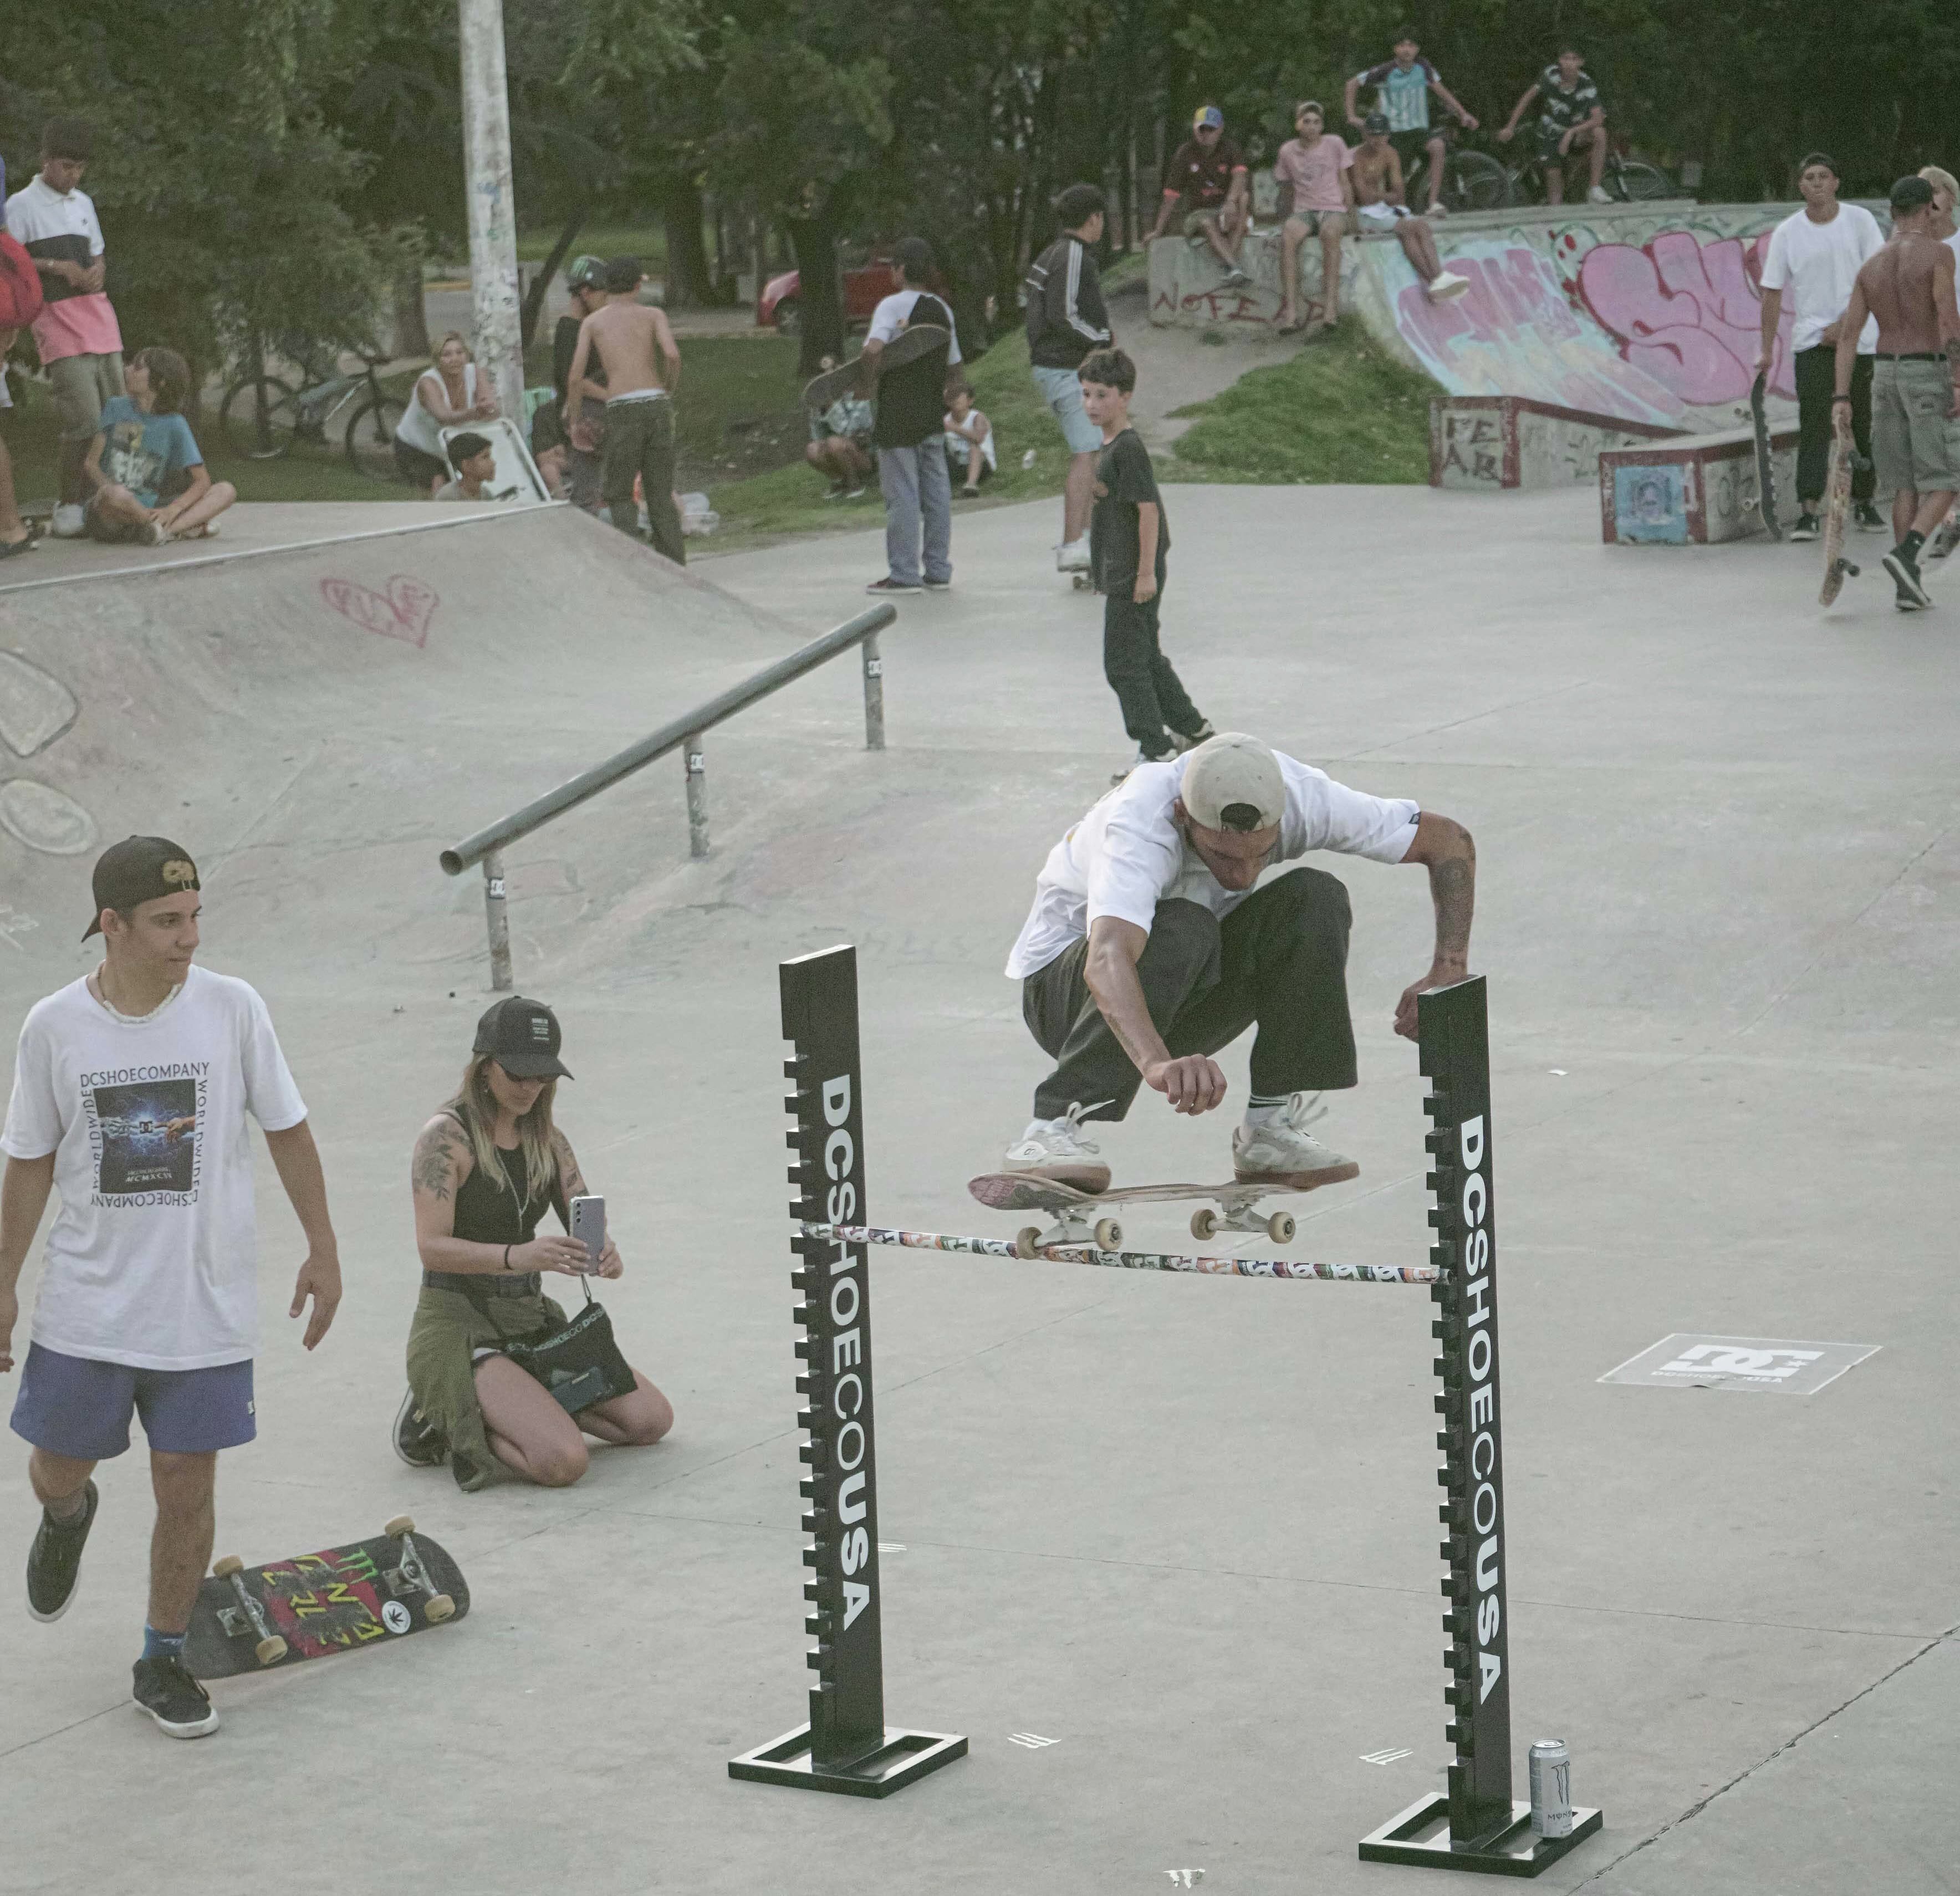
(1688, 313)
(403, 612)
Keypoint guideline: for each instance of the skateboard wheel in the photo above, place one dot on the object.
(270, 1652)
(223, 1569)
(1027, 1241)
(1280, 1226)
(1109, 1235)
(439, 1609)
(401, 1524)
(1204, 1223)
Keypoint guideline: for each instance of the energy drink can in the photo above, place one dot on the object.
(1551, 1788)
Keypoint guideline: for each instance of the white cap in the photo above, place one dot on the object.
(1232, 769)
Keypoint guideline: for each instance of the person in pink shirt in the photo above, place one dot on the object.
(1315, 165)
(80, 345)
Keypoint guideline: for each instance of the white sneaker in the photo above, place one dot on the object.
(70, 522)
(1438, 209)
(1599, 194)
(1283, 1152)
(1447, 286)
(1055, 1149)
(1072, 556)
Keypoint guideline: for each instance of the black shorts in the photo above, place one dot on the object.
(1411, 145)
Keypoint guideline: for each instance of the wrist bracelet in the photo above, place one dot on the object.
(1836, 399)
(507, 1257)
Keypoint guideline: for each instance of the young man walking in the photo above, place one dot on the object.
(131, 1090)
(1206, 185)
(1401, 86)
(1815, 257)
(1570, 117)
(1152, 946)
(1130, 541)
(637, 350)
(1909, 288)
(1067, 320)
(909, 431)
(76, 332)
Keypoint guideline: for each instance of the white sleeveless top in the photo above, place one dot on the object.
(418, 427)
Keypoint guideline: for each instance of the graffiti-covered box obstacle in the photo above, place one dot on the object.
(1692, 491)
(1486, 442)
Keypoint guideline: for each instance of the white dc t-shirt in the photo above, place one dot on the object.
(1126, 855)
(1819, 263)
(153, 1259)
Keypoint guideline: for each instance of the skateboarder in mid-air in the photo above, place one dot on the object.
(1909, 287)
(1149, 949)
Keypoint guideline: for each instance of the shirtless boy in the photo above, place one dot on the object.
(1908, 286)
(642, 363)
(1381, 204)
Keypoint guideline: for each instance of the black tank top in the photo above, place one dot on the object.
(490, 1211)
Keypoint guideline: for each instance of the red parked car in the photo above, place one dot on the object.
(865, 286)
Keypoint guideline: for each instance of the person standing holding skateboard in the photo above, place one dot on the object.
(642, 363)
(1814, 254)
(1909, 287)
(1149, 947)
(131, 1092)
(909, 430)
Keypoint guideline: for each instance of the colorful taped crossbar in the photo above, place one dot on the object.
(1126, 1260)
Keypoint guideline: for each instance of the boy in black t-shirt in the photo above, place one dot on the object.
(1129, 540)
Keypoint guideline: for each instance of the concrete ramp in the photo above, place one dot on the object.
(315, 719)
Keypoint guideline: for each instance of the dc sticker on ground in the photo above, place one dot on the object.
(1765, 1365)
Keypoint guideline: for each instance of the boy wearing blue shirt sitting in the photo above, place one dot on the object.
(151, 485)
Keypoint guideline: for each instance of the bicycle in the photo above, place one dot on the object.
(263, 417)
(1625, 180)
(1472, 180)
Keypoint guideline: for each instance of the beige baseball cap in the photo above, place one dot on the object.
(1233, 772)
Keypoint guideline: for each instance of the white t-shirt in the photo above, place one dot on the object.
(418, 427)
(958, 445)
(153, 1259)
(894, 311)
(1820, 262)
(1126, 855)
(48, 223)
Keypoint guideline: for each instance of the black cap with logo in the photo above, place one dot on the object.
(139, 869)
(522, 1036)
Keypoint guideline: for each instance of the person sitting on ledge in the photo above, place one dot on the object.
(1381, 204)
(151, 483)
(487, 1168)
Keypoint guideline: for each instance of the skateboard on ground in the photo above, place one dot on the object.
(907, 346)
(1075, 1210)
(1765, 471)
(1837, 505)
(250, 1619)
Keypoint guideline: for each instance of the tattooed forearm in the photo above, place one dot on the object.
(570, 1177)
(433, 1170)
(1452, 884)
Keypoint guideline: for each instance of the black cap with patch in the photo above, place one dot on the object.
(139, 869)
(522, 1036)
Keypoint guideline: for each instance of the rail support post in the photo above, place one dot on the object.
(496, 914)
(694, 750)
(874, 695)
(847, 1746)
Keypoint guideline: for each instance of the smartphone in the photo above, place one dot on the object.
(588, 1226)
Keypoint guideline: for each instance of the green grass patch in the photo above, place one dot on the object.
(1341, 410)
(648, 242)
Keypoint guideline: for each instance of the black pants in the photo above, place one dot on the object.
(639, 440)
(1279, 959)
(1149, 693)
(1816, 376)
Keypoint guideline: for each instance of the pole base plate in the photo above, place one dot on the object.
(904, 1758)
(1420, 1835)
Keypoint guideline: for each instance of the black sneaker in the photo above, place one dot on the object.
(1912, 592)
(1869, 519)
(888, 584)
(179, 1705)
(1190, 739)
(939, 585)
(1806, 527)
(55, 1559)
(418, 1442)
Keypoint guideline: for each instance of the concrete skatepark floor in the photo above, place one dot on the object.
(1183, 1528)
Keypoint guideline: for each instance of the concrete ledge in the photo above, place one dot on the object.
(1693, 491)
(1498, 441)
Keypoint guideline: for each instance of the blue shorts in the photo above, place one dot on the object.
(71, 1405)
(1061, 388)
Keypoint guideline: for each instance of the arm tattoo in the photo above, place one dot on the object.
(1453, 884)
(434, 1169)
(572, 1181)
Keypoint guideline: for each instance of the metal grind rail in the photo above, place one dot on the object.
(1124, 1260)
(686, 734)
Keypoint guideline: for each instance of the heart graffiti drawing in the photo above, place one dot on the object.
(403, 612)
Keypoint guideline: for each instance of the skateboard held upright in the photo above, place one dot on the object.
(1765, 469)
(1838, 504)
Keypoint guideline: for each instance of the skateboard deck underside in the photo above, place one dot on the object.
(1836, 512)
(1765, 464)
(907, 346)
(336, 1600)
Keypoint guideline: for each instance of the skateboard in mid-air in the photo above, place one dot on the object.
(1765, 470)
(250, 1619)
(1076, 1211)
(1837, 505)
(907, 346)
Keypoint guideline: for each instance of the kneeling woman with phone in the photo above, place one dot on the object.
(487, 1168)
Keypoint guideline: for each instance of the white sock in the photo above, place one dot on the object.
(1258, 1116)
(1039, 1129)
